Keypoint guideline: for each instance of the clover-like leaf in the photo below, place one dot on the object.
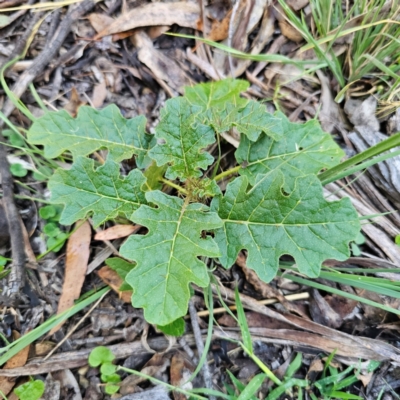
(31, 390)
(167, 257)
(184, 140)
(100, 355)
(217, 94)
(304, 149)
(92, 130)
(101, 192)
(251, 120)
(268, 224)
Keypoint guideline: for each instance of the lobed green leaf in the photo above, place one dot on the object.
(167, 257)
(304, 149)
(217, 94)
(175, 328)
(268, 224)
(223, 108)
(251, 120)
(90, 131)
(181, 141)
(99, 192)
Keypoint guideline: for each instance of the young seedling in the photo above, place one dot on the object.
(55, 237)
(103, 357)
(32, 390)
(274, 207)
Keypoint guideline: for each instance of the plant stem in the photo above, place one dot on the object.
(228, 172)
(379, 148)
(174, 185)
(261, 365)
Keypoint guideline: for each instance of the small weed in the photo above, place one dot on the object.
(55, 236)
(32, 390)
(184, 226)
(370, 62)
(103, 357)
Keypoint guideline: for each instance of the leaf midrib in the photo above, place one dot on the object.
(85, 138)
(100, 195)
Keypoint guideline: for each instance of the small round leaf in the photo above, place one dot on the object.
(48, 212)
(18, 170)
(100, 355)
(31, 390)
(108, 369)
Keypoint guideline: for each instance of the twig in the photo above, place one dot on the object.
(266, 302)
(16, 278)
(49, 52)
(200, 346)
(74, 328)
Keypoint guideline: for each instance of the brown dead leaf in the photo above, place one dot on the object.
(43, 348)
(290, 32)
(19, 360)
(297, 4)
(372, 315)
(176, 374)
(112, 279)
(99, 94)
(100, 21)
(155, 31)
(219, 29)
(182, 13)
(74, 102)
(330, 115)
(323, 313)
(316, 365)
(165, 69)
(123, 35)
(342, 305)
(267, 290)
(365, 378)
(115, 232)
(180, 372)
(77, 257)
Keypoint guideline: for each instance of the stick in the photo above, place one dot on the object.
(49, 52)
(16, 278)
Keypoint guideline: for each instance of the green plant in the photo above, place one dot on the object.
(55, 237)
(275, 207)
(103, 357)
(373, 51)
(332, 382)
(15, 347)
(31, 390)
